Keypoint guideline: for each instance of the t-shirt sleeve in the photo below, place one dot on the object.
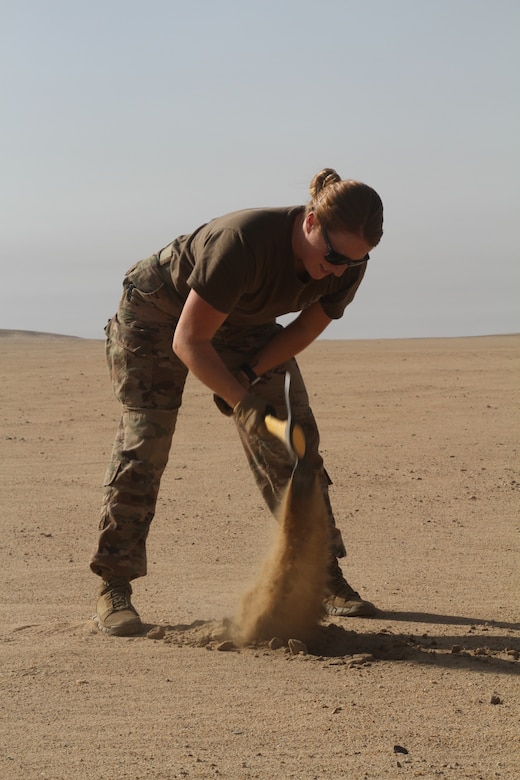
(223, 269)
(335, 303)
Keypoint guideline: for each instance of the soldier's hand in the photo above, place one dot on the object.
(251, 412)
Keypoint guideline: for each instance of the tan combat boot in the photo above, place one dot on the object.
(115, 613)
(342, 600)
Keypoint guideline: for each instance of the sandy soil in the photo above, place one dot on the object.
(421, 440)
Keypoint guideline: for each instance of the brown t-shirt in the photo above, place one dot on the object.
(242, 264)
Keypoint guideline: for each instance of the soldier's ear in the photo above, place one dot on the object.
(310, 221)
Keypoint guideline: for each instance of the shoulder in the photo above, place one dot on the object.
(255, 231)
(250, 219)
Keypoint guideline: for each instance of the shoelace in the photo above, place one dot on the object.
(344, 591)
(119, 598)
(339, 586)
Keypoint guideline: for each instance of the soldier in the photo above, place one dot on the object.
(208, 303)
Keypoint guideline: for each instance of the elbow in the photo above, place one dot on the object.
(185, 346)
(179, 345)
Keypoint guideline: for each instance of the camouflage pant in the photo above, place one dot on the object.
(148, 380)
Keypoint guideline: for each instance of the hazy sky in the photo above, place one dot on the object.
(126, 123)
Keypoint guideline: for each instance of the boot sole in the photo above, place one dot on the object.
(363, 609)
(128, 628)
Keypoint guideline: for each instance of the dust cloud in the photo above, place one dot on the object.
(286, 601)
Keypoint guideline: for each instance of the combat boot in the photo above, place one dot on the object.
(342, 600)
(116, 614)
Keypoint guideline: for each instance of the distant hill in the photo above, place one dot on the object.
(35, 334)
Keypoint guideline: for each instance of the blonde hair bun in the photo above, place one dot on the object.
(323, 179)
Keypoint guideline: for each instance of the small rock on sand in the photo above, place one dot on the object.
(297, 648)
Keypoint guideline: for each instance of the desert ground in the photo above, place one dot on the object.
(421, 440)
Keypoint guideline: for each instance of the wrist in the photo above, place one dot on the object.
(250, 374)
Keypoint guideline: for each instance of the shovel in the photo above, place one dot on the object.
(287, 431)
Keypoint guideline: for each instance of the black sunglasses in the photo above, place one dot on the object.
(335, 258)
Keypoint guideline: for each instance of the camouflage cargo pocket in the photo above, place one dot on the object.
(145, 372)
(146, 297)
(111, 473)
(130, 357)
